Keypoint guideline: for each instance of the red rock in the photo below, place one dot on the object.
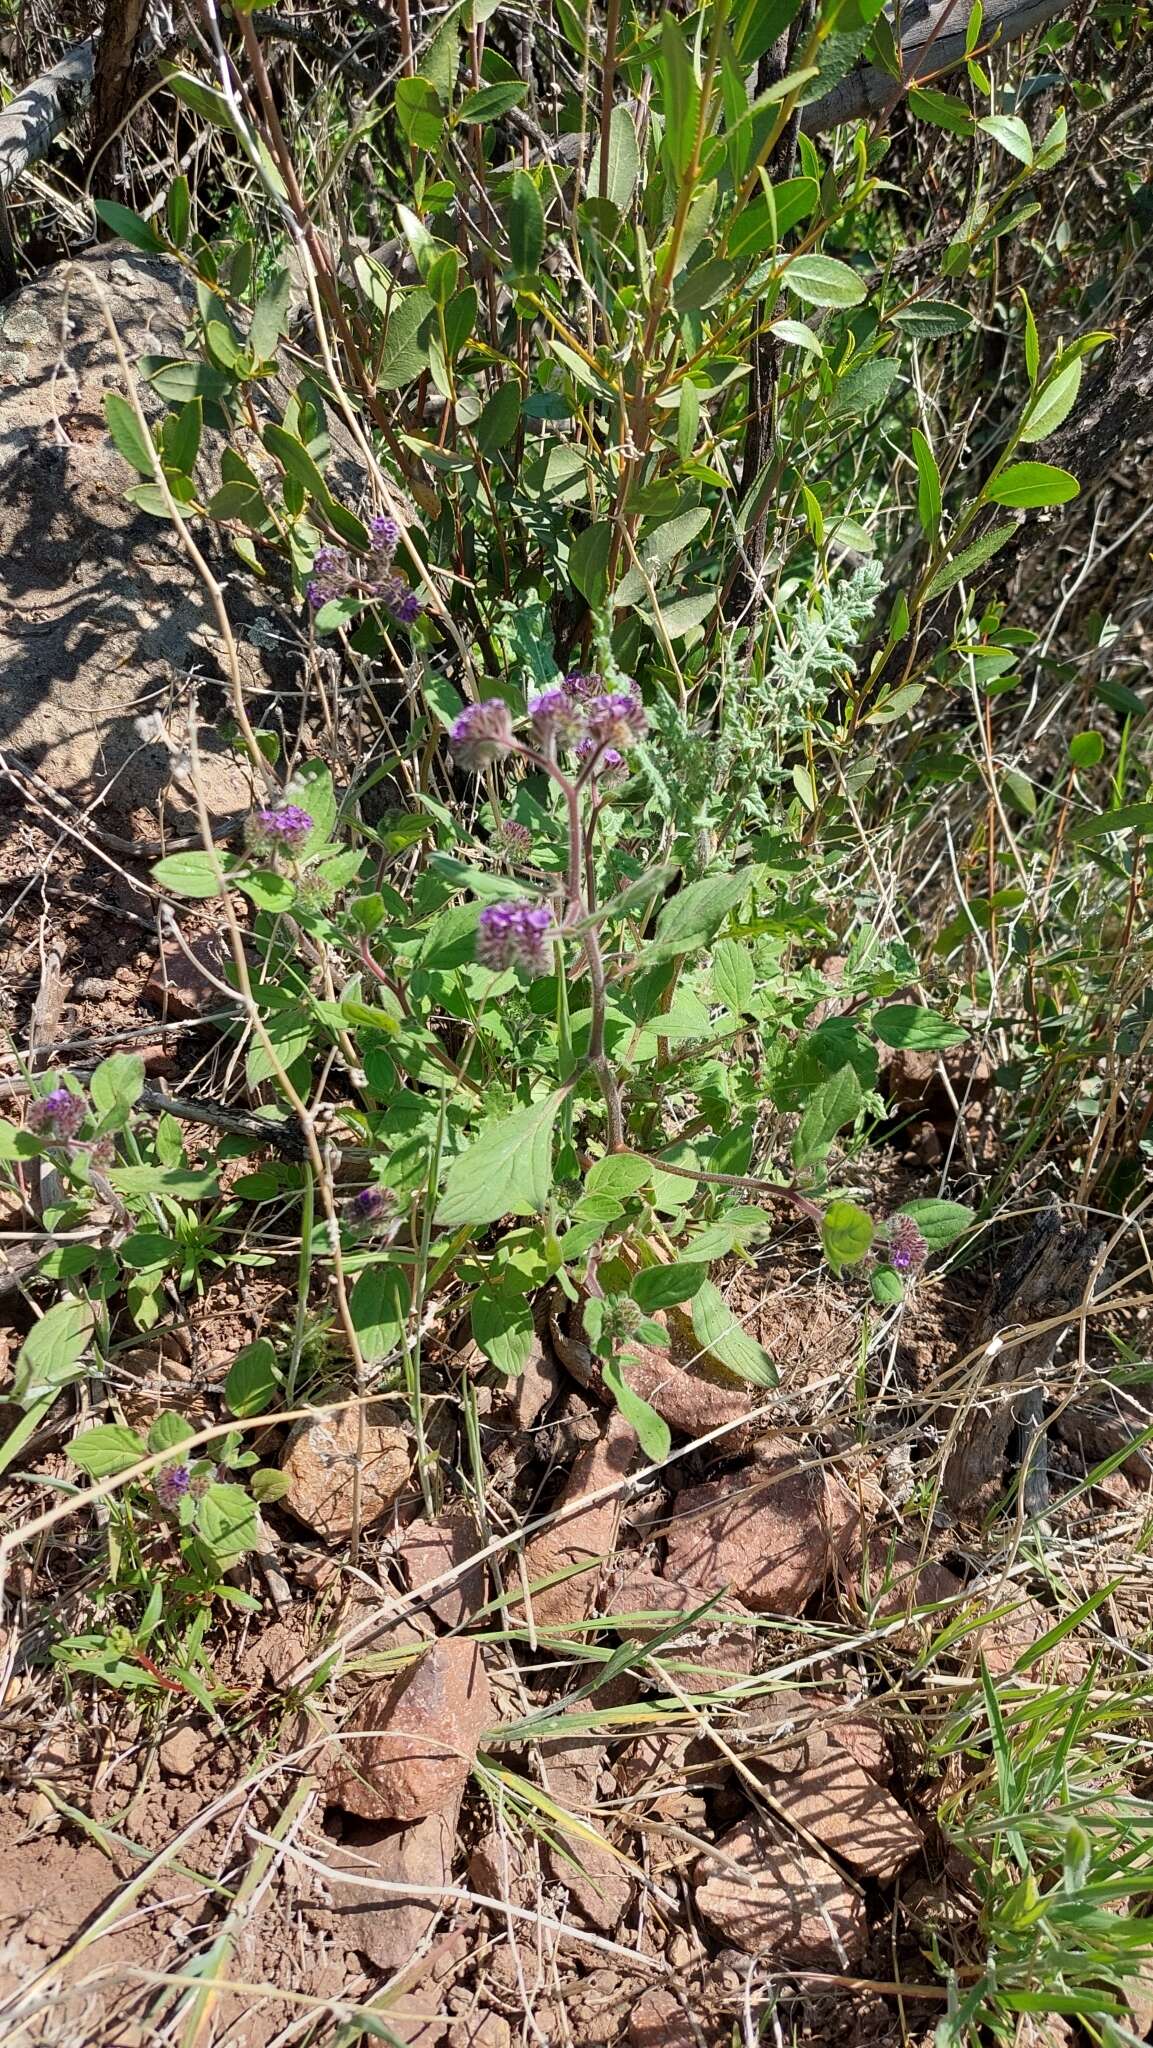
(766, 1534)
(538, 1386)
(386, 1929)
(411, 1744)
(835, 1800)
(587, 1538)
(429, 1548)
(658, 2020)
(794, 1908)
(320, 1463)
(715, 1651)
(480, 2030)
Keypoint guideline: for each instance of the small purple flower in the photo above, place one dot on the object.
(482, 733)
(581, 686)
(611, 768)
(371, 1206)
(57, 1115)
(618, 719)
(907, 1248)
(513, 838)
(331, 576)
(281, 829)
(383, 534)
(516, 935)
(170, 1485)
(557, 720)
(405, 604)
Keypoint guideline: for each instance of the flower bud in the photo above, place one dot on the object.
(482, 733)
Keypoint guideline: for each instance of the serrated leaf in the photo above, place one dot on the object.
(734, 975)
(619, 1174)
(117, 1082)
(830, 1107)
(911, 1025)
(502, 1326)
(939, 1222)
(507, 1170)
(109, 1448)
(846, 1234)
(168, 1431)
(252, 1383)
(188, 874)
(886, 1286)
(226, 1522)
(694, 914)
(52, 1351)
(721, 1335)
(665, 1286)
(379, 1306)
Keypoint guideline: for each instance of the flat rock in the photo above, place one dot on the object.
(712, 1652)
(177, 985)
(598, 1883)
(584, 1539)
(386, 1930)
(429, 1548)
(658, 2020)
(180, 1752)
(410, 1746)
(839, 1803)
(794, 1908)
(766, 1534)
(480, 2030)
(104, 617)
(320, 1460)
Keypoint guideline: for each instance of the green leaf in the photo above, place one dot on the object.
(128, 437)
(886, 1286)
(180, 436)
(178, 211)
(502, 1326)
(268, 1485)
(419, 113)
(1010, 131)
(117, 1082)
(694, 914)
(932, 317)
(525, 226)
(680, 97)
(720, 1334)
(764, 223)
(832, 1105)
(1127, 818)
(270, 317)
(108, 1449)
(1053, 401)
(169, 1431)
(252, 1384)
(653, 1434)
(939, 1222)
(226, 1522)
(489, 102)
(499, 420)
(734, 975)
(296, 462)
(624, 161)
(379, 1306)
(1086, 749)
(664, 1286)
(620, 1174)
(1031, 483)
(181, 1183)
(970, 558)
(404, 353)
(908, 1024)
(928, 485)
(943, 109)
(507, 1171)
(51, 1353)
(129, 226)
(588, 561)
(846, 1234)
(188, 874)
(823, 281)
(1020, 791)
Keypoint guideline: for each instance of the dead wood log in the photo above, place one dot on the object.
(31, 121)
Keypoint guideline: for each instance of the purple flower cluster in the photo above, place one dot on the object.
(558, 720)
(170, 1485)
(907, 1247)
(58, 1114)
(335, 574)
(513, 838)
(597, 724)
(482, 733)
(372, 1206)
(516, 935)
(281, 829)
